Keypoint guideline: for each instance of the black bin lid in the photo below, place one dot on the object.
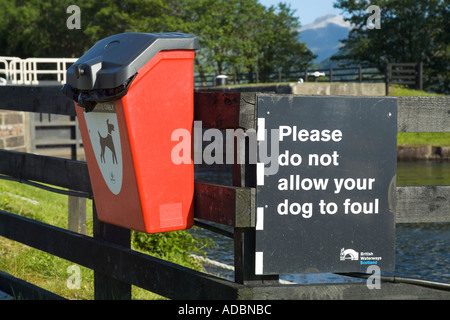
(115, 59)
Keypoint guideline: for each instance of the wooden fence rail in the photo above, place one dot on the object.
(410, 74)
(117, 267)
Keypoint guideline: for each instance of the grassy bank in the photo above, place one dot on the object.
(423, 138)
(395, 90)
(418, 138)
(33, 265)
(52, 273)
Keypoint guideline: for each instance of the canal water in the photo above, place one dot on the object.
(422, 249)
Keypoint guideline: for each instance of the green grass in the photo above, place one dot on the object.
(423, 138)
(395, 90)
(33, 265)
(51, 272)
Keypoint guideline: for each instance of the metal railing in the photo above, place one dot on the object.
(33, 71)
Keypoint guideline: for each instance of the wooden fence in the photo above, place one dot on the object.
(55, 134)
(410, 74)
(347, 74)
(117, 267)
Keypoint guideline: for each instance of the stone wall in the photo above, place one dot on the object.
(413, 153)
(14, 131)
(339, 89)
(309, 88)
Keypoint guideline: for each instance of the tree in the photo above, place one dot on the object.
(411, 31)
(281, 49)
(236, 36)
(38, 29)
(245, 37)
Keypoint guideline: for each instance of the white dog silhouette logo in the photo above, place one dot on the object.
(104, 134)
(107, 142)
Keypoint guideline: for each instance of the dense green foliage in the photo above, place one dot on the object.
(235, 36)
(177, 246)
(411, 31)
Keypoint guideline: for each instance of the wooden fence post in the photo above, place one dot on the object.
(244, 175)
(387, 77)
(105, 287)
(76, 205)
(77, 214)
(419, 78)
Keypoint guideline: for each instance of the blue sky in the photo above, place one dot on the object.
(307, 10)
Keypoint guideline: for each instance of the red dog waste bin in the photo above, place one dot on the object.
(131, 91)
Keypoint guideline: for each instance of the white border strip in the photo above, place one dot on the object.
(259, 262)
(259, 218)
(261, 129)
(260, 174)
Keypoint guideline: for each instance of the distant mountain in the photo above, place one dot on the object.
(323, 35)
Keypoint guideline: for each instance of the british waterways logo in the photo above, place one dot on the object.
(363, 257)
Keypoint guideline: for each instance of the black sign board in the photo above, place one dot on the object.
(326, 177)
